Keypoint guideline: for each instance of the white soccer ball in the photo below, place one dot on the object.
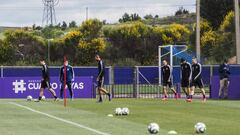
(118, 111)
(43, 98)
(125, 111)
(153, 128)
(200, 127)
(29, 98)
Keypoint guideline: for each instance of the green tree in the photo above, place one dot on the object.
(51, 32)
(139, 42)
(215, 10)
(32, 47)
(7, 53)
(228, 24)
(127, 18)
(208, 39)
(91, 29)
(72, 24)
(64, 25)
(181, 11)
(149, 16)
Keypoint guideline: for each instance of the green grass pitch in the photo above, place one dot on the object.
(220, 117)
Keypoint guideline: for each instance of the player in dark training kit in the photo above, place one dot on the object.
(45, 83)
(100, 79)
(167, 79)
(186, 74)
(197, 78)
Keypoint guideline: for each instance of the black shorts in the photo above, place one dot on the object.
(100, 82)
(166, 83)
(185, 83)
(198, 82)
(45, 84)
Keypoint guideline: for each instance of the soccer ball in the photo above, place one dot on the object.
(125, 111)
(153, 128)
(43, 98)
(118, 111)
(29, 98)
(200, 127)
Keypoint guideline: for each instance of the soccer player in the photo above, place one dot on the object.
(186, 74)
(197, 78)
(69, 79)
(45, 83)
(224, 72)
(167, 79)
(100, 79)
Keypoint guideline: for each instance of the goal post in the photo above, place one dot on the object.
(172, 52)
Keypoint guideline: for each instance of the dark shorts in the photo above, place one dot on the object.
(166, 83)
(185, 83)
(198, 82)
(100, 82)
(45, 84)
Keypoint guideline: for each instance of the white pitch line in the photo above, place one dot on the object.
(60, 119)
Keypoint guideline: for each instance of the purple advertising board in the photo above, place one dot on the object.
(21, 87)
(233, 90)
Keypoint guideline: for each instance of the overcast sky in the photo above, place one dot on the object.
(28, 12)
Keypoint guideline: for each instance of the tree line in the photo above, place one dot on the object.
(132, 41)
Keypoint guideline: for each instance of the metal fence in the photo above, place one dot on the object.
(125, 82)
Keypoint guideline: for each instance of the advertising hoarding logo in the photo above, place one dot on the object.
(19, 86)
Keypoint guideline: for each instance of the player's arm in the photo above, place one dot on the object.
(190, 72)
(220, 70)
(61, 74)
(170, 73)
(73, 75)
(101, 69)
(200, 71)
(228, 70)
(162, 73)
(45, 71)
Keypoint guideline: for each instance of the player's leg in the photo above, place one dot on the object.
(193, 87)
(43, 86)
(226, 85)
(185, 86)
(51, 90)
(164, 92)
(61, 90)
(40, 94)
(201, 86)
(69, 84)
(221, 88)
(190, 92)
(100, 95)
(173, 90)
(106, 92)
(100, 86)
(185, 91)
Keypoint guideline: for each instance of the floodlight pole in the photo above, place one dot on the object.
(171, 59)
(86, 13)
(236, 3)
(48, 51)
(159, 66)
(171, 56)
(198, 48)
